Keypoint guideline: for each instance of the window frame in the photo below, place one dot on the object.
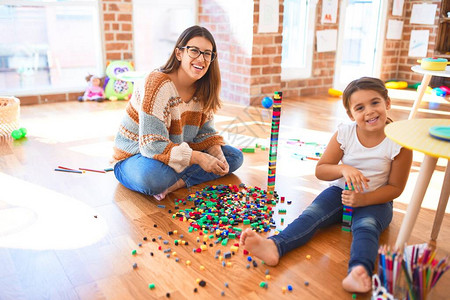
(100, 56)
(292, 73)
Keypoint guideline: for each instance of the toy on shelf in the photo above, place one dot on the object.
(446, 89)
(433, 63)
(115, 88)
(334, 92)
(428, 90)
(396, 85)
(94, 91)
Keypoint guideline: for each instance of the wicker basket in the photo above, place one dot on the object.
(9, 115)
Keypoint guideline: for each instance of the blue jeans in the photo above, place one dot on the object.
(367, 224)
(151, 177)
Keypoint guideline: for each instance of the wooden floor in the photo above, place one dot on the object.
(70, 236)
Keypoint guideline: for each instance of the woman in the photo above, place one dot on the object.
(167, 138)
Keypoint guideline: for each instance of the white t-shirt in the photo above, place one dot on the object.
(374, 163)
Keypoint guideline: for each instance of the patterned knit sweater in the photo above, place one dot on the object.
(159, 125)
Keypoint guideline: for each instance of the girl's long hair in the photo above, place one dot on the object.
(207, 88)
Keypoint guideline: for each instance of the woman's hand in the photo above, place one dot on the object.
(354, 178)
(211, 164)
(216, 151)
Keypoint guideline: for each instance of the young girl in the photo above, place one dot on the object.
(376, 167)
(167, 138)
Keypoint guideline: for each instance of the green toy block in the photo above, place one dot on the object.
(248, 150)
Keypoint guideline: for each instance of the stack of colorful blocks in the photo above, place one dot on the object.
(277, 97)
(347, 216)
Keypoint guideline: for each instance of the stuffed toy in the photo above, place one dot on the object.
(115, 87)
(94, 91)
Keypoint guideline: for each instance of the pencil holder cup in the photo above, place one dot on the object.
(9, 115)
(379, 292)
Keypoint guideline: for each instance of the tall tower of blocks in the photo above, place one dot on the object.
(277, 98)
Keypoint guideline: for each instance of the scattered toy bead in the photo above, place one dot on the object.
(226, 284)
(289, 288)
(151, 286)
(133, 252)
(306, 283)
(308, 256)
(145, 238)
(202, 283)
(168, 295)
(249, 258)
(222, 293)
(135, 266)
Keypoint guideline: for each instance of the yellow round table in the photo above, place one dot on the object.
(414, 134)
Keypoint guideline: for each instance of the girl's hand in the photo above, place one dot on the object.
(354, 178)
(352, 198)
(211, 164)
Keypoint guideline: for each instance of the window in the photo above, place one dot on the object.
(298, 38)
(48, 46)
(157, 25)
(443, 37)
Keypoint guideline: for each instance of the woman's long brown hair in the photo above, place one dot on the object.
(207, 87)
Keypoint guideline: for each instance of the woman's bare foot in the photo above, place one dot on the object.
(177, 185)
(161, 196)
(265, 249)
(357, 281)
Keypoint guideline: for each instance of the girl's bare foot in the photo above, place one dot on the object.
(265, 249)
(357, 281)
(177, 185)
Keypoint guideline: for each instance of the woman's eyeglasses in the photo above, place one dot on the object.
(194, 52)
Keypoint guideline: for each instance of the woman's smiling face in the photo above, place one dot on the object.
(195, 68)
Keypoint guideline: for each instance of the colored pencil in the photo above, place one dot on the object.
(65, 168)
(90, 170)
(69, 171)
